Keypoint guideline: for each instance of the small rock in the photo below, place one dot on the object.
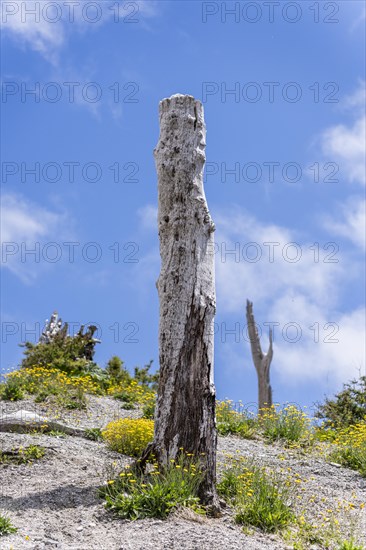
(335, 464)
(51, 542)
(80, 528)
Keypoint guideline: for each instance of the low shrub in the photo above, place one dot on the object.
(157, 493)
(129, 436)
(347, 408)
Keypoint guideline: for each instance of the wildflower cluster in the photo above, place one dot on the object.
(22, 455)
(260, 498)
(230, 421)
(289, 424)
(349, 448)
(44, 381)
(136, 495)
(129, 436)
(131, 391)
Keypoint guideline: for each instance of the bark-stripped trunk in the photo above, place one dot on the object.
(262, 361)
(185, 413)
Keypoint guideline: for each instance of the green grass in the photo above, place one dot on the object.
(260, 499)
(154, 494)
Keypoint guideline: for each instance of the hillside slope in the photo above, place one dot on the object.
(53, 501)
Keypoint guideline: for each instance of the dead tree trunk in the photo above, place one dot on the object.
(185, 413)
(262, 361)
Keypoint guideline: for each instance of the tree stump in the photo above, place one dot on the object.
(185, 412)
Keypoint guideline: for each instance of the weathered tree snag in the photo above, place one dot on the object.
(262, 362)
(185, 413)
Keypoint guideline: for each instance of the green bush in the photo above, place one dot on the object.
(346, 408)
(260, 499)
(65, 353)
(155, 494)
(6, 527)
(116, 372)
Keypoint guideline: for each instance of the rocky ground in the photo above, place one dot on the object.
(54, 501)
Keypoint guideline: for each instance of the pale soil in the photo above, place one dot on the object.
(54, 501)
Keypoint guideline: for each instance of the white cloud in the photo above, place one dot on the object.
(238, 278)
(350, 221)
(34, 31)
(345, 143)
(44, 27)
(148, 217)
(26, 226)
(307, 293)
(330, 345)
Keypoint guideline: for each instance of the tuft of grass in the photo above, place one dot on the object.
(6, 527)
(94, 434)
(288, 424)
(22, 455)
(232, 422)
(127, 406)
(157, 493)
(129, 436)
(260, 499)
(350, 545)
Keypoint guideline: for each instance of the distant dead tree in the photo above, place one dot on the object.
(262, 361)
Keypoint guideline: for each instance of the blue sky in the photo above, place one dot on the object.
(283, 90)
